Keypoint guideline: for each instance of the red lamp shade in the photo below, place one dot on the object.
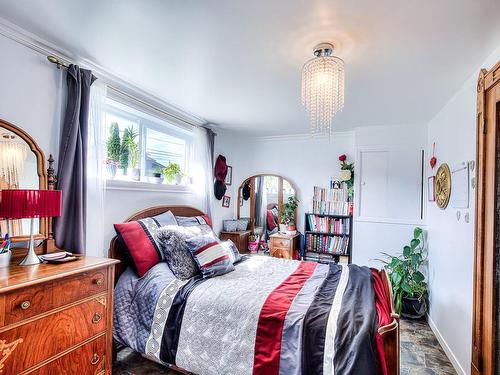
(19, 204)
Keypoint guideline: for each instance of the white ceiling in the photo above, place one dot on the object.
(237, 63)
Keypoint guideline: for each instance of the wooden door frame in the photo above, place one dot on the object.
(484, 310)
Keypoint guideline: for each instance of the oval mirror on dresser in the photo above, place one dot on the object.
(22, 166)
(261, 198)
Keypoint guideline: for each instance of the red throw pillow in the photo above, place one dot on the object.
(138, 239)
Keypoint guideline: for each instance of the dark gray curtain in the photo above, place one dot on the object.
(210, 183)
(259, 210)
(72, 164)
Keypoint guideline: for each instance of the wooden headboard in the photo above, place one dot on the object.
(114, 248)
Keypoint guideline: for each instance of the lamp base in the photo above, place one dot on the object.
(30, 259)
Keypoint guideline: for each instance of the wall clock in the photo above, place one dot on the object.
(442, 186)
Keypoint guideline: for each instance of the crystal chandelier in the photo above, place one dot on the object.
(323, 88)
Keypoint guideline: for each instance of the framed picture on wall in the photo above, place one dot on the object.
(229, 176)
(226, 201)
(431, 194)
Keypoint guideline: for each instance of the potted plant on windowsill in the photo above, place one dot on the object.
(287, 214)
(172, 173)
(132, 151)
(158, 175)
(406, 273)
(113, 150)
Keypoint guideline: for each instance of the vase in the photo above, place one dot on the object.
(5, 259)
(136, 174)
(111, 168)
(413, 308)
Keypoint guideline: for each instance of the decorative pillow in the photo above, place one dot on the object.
(232, 250)
(166, 218)
(138, 239)
(172, 240)
(189, 221)
(271, 223)
(212, 257)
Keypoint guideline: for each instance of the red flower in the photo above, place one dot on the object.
(342, 157)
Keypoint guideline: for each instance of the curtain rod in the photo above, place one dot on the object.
(60, 64)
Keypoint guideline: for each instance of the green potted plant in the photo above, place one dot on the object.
(407, 277)
(157, 175)
(113, 150)
(287, 214)
(130, 144)
(172, 173)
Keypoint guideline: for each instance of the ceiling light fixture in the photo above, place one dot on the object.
(323, 88)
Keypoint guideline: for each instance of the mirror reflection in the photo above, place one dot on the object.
(261, 199)
(18, 170)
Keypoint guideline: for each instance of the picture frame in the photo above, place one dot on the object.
(226, 201)
(229, 176)
(431, 193)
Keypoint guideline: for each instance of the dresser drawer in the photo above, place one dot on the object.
(74, 288)
(86, 360)
(281, 242)
(37, 299)
(43, 338)
(280, 253)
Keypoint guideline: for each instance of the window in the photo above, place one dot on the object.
(141, 147)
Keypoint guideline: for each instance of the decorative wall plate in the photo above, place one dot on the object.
(442, 186)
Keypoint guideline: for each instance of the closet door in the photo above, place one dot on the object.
(485, 335)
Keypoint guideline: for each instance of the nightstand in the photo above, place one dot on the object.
(284, 245)
(240, 239)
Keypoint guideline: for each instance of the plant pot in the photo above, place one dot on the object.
(136, 174)
(178, 179)
(157, 180)
(413, 308)
(125, 171)
(111, 168)
(291, 228)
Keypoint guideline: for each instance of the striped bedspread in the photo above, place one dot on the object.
(269, 316)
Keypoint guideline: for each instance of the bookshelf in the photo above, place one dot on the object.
(328, 228)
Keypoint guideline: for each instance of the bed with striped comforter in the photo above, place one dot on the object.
(269, 316)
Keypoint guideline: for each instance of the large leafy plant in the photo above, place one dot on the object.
(406, 270)
(287, 214)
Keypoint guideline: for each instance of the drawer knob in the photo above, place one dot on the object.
(25, 305)
(98, 281)
(95, 359)
(96, 318)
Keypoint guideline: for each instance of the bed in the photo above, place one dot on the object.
(268, 316)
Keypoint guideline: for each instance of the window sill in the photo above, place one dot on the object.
(147, 186)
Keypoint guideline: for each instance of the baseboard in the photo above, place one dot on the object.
(458, 368)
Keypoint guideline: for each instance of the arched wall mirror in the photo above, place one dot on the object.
(261, 198)
(22, 166)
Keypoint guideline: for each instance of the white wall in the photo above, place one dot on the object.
(451, 242)
(304, 161)
(400, 200)
(31, 98)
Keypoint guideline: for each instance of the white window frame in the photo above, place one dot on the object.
(147, 121)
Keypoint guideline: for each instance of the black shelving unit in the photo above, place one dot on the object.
(310, 231)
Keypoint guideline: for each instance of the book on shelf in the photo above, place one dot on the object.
(328, 224)
(327, 244)
(331, 201)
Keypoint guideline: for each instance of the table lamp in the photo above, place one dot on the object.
(30, 204)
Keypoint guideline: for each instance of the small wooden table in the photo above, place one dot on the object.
(240, 239)
(284, 245)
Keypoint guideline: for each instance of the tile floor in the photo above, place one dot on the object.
(421, 354)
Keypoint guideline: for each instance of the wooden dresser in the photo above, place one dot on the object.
(283, 245)
(240, 239)
(57, 319)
